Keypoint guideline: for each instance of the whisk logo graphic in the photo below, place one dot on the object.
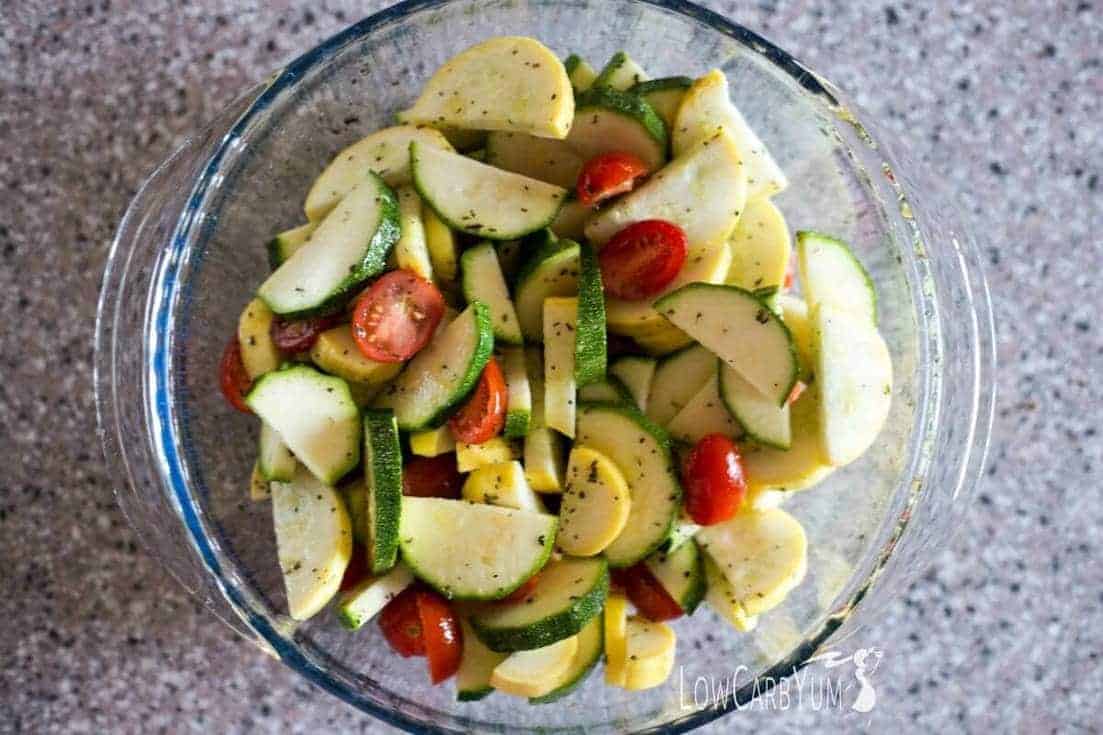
(866, 661)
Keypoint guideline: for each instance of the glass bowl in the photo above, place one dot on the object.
(191, 249)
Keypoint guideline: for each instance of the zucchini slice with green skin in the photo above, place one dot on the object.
(283, 246)
(439, 377)
(435, 535)
(259, 353)
(579, 71)
(677, 379)
(519, 408)
(664, 95)
(480, 199)
(483, 281)
(364, 601)
(801, 465)
(831, 274)
(568, 594)
(314, 415)
(681, 572)
(383, 478)
(642, 451)
(762, 420)
(274, 460)
(609, 120)
(543, 159)
(552, 271)
(610, 390)
(349, 246)
(477, 662)
(591, 644)
(620, 73)
(636, 373)
(684, 530)
(590, 342)
(740, 330)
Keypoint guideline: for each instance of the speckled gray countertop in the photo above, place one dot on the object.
(1005, 99)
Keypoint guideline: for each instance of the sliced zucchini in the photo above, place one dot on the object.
(519, 405)
(335, 351)
(620, 73)
(664, 95)
(479, 199)
(470, 457)
(440, 376)
(708, 106)
(534, 672)
(568, 594)
(590, 342)
(510, 83)
(724, 601)
(677, 379)
(579, 71)
(349, 246)
(571, 221)
(553, 270)
(762, 554)
(435, 537)
(799, 467)
(444, 253)
(477, 663)
(596, 502)
(854, 378)
(274, 460)
(642, 452)
(356, 501)
(610, 390)
(761, 248)
(608, 120)
(258, 486)
(543, 452)
(543, 159)
(590, 646)
(704, 414)
(831, 274)
(650, 647)
(636, 373)
(313, 541)
(703, 191)
(560, 320)
(740, 330)
(763, 421)
(259, 353)
(383, 479)
(385, 152)
(502, 484)
(794, 312)
(681, 573)
(483, 281)
(684, 530)
(363, 602)
(432, 442)
(314, 416)
(283, 246)
(411, 252)
(615, 629)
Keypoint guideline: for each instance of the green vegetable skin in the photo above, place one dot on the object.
(590, 341)
(383, 477)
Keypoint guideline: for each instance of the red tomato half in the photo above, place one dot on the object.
(440, 629)
(714, 480)
(648, 594)
(400, 622)
(396, 316)
(299, 335)
(483, 415)
(607, 175)
(432, 477)
(232, 377)
(523, 592)
(642, 259)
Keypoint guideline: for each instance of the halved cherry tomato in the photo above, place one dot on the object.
(396, 316)
(647, 593)
(299, 335)
(642, 259)
(607, 175)
(523, 592)
(232, 377)
(357, 569)
(440, 629)
(798, 390)
(483, 415)
(400, 622)
(714, 480)
(432, 477)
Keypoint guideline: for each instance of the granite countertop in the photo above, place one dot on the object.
(1004, 99)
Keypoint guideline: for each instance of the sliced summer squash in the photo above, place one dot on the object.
(609, 120)
(383, 480)
(349, 246)
(831, 274)
(636, 373)
(620, 73)
(274, 460)
(677, 380)
(615, 629)
(797, 468)
(314, 415)
(313, 541)
(724, 601)
(480, 199)
(258, 486)
(259, 353)
(443, 373)
(704, 414)
(568, 594)
(762, 420)
(681, 572)
(470, 457)
(579, 71)
(444, 253)
(553, 270)
(739, 329)
(502, 484)
(854, 378)
(543, 452)
(432, 442)
(595, 506)
(642, 452)
(385, 152)
(411, 252)
(708, 106)
(560, 320)
(335, 351)
(650, 648)
(477, 664)
(509, 83)
(534, 672)
(283, 245)
(519, 407)
(664, 95)
(356, 501)
(483, 281)
(543, 159)
(366, 599)
(590, 342)
(435, 535)
(761, 247)
(703, 191)
(590, 646)
(795, 314)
